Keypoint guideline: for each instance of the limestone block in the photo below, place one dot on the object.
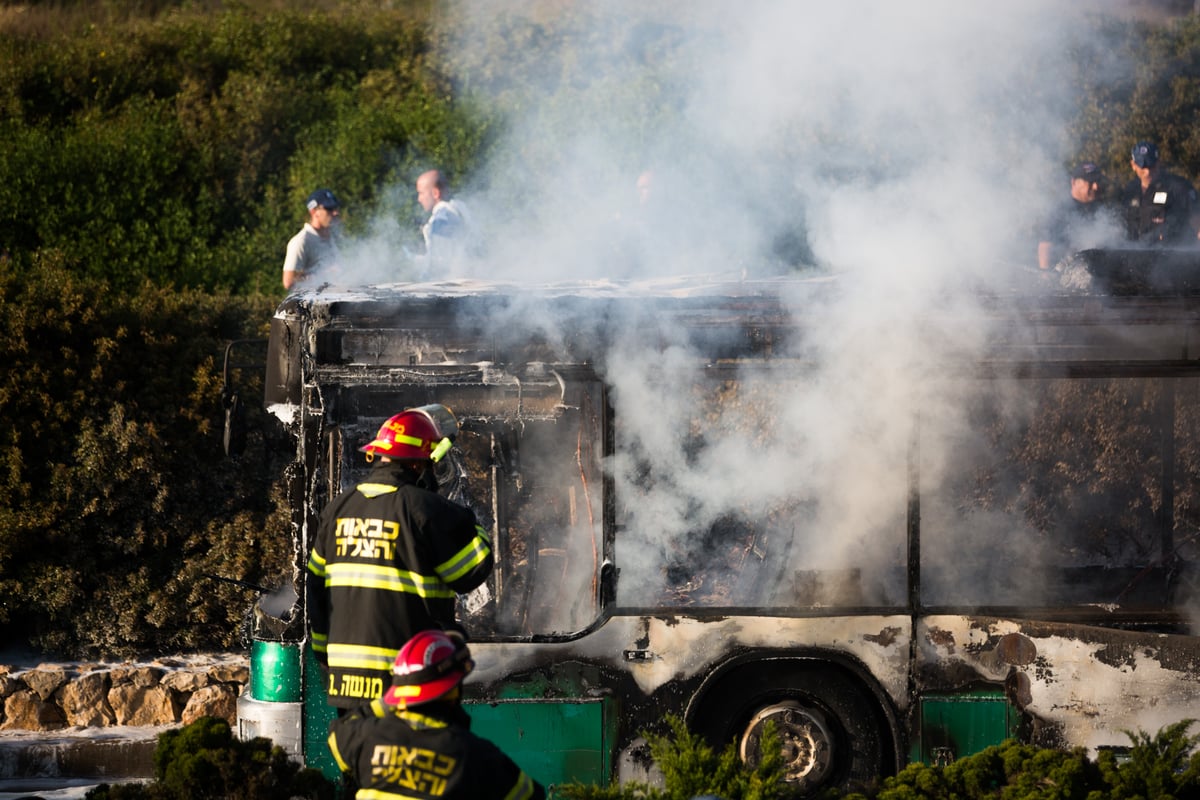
(143, 705)
(84, 701)
(229, 673)
(45, 681)
(212, 701)
(24, 710)
(186, 682)
(137, 676)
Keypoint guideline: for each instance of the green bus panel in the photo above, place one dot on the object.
(317, 716)
(962, 724)
(554, 741)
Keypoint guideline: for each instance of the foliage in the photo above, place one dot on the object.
(1157, 766)
(205, 760)
(117, 497)
(205, 757)
(691, 768)
(1165, 765)
(1136, 81)
(179, 148)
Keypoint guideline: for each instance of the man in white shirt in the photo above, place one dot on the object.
(447, 232)
(313, 250)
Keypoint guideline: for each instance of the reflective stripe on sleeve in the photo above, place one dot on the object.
(337, 755)
(523, 790)
(466, 559)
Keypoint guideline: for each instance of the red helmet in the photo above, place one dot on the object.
(418, 434)
(429, 665)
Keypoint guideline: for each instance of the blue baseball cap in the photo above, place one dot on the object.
(323, 198)
(1145, 154)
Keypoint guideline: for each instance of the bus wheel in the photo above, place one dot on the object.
(808, 744)
(832, 733)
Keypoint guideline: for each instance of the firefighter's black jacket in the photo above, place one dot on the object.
(388, 560)
(425, 752)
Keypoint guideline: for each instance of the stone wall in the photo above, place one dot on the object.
(50, 697)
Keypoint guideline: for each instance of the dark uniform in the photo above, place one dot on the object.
(427, 752)
(390, 557)
(1070, 220)
(1163, 213)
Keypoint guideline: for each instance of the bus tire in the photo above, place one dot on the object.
(832, 731)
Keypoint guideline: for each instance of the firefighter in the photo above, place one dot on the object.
(416, 740)
(390, 556)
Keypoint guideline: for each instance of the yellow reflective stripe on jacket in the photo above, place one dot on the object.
(466, 559)
(376, 489)
(379, 794)
(361, 656)
(388, 579)
(319, 642)
(523, 789)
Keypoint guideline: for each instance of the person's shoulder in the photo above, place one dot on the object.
(1131, 192)
(339, 500)
(1179, 180)
(302, 237)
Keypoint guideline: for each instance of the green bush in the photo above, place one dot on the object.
(116, 497)
(205, 760)
(179, 148)
(1160, 766)
(691, 768)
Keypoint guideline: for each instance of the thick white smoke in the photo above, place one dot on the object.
(904, 149)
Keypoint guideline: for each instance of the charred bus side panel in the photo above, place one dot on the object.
(694, 511)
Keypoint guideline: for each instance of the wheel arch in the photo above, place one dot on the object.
(752, 667)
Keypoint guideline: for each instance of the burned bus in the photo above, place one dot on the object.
(896, 536)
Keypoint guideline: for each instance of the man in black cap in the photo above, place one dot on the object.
(1071, 220)
(1160, 207)
(313, 249)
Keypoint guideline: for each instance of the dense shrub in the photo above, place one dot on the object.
(205, 760)
(691, 768)
(179, 148)
(1161, 765)
(115, 494)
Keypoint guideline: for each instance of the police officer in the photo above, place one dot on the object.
(1159, 206)
(390, 556)
(1085, 209)
(416, 740)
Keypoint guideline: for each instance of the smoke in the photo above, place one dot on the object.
(906, 151)
(844, 137)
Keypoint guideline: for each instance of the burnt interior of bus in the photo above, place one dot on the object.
(1068, 490)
